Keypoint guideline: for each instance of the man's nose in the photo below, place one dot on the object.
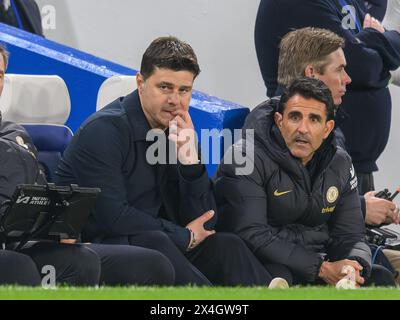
(346, 78)
(174, 98)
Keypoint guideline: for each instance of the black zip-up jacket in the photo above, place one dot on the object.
(287, 213)
(109, 151)
(18, 160)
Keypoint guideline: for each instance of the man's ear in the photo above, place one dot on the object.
(329, 126)
(309, 71)
(278, 119)
(139, 82)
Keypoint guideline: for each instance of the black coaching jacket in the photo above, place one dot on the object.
(109, 151)
(287, 213)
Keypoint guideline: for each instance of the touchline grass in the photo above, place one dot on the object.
(196, 293)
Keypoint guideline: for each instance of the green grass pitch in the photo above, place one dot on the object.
(197, 293)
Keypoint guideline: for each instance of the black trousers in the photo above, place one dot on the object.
(129, 265)
(90, 265)
(17, 268)
(380, 276)
(222, 259)
(365, 182)
(74, 264)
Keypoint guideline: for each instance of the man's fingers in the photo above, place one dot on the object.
(206, 216)
(211, 232)
(360, 280)
(354, 264)
(173, 137)
(367, 21)
(369, 194)
(173, 126)
(180, 122)
(185, 116)
(394, 214)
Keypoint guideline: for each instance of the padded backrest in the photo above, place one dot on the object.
(35, 99)
(113, 88)
(51, 141)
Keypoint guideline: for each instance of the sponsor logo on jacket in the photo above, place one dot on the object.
(278, 193)
(328, 209)
(332, 194)
(353, 178)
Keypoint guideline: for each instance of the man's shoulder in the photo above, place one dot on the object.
(342, 166)
(9, 126)
(342, 156)
(111, 117)
(261, 112)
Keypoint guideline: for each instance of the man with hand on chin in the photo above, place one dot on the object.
(147, 198)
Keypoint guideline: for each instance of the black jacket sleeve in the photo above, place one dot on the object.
(30, 15)
(376, 8)
(243, 209)
(347, 227)
(370, 54)
(97, 161)
(196, 194)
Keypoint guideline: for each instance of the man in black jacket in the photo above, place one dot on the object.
(156, 194)
(23, 14)
(298, 210)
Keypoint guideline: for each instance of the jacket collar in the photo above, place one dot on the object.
(137, 120)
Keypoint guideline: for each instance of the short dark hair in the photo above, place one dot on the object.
(309, 88)
(169, 53)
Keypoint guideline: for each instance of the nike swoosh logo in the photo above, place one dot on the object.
(278, 194)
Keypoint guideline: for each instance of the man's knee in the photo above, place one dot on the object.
(131, 265)
(83, 266)
(160, 270)
(227, 242)
(17, 268)
(151, 239)
(380, 276)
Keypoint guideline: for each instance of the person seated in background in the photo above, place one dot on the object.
(74, 264)
(150, 198)
(298, 210)
(22, 14)
(371, 52)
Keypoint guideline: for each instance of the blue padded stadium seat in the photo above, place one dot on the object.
(51, 141)
(41, 103)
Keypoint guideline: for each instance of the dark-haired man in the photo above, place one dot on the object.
(298, 210)
(167, 205)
